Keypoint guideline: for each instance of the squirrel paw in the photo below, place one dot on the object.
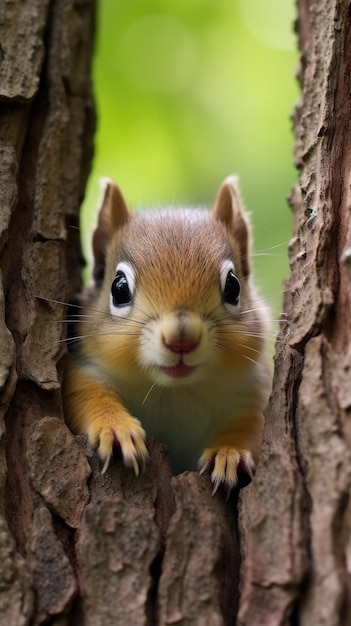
(225, 462)
(128, 433)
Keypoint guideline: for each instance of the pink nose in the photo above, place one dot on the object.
(181, 345)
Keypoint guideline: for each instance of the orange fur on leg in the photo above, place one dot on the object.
(90, 407)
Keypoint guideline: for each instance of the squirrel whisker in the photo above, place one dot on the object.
(148, 393)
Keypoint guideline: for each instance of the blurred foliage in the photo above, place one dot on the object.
(190, 91)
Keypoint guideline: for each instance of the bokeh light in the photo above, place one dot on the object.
(188, 92)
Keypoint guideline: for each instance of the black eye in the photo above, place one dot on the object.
(120, 290)
(231, 290)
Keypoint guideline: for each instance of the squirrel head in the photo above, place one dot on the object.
(182, 277)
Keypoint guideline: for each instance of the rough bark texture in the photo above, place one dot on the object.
(46, 128)
(77, 548)
(295, 517)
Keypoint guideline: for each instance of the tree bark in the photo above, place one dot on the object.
(46, 130)
(295, 517)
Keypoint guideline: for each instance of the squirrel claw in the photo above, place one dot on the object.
(205, 463)
(106, 464)
(135, 467)
(225, 462)
(137, 461)
(249, 464)
(130, 438)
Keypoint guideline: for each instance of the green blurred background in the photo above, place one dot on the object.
(188, 92)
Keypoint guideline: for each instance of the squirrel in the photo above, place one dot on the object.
(174, 341)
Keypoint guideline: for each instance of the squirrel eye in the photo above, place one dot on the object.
(231, 291)
(120, 291)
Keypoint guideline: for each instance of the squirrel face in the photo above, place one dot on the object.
(178, 302)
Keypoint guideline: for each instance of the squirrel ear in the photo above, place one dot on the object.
(229, 209)
(113, 214)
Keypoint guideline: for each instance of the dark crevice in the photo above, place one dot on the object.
(301, 592)
(231, 560)
(152, 598)
(67, 537)
(39, 238)
(306, 504)
(164, 508)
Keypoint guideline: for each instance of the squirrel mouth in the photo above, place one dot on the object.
(180, 370)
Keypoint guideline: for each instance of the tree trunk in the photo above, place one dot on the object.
(46, 129)
(78, 548)
(295, 517)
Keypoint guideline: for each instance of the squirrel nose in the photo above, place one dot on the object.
(181, 344)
